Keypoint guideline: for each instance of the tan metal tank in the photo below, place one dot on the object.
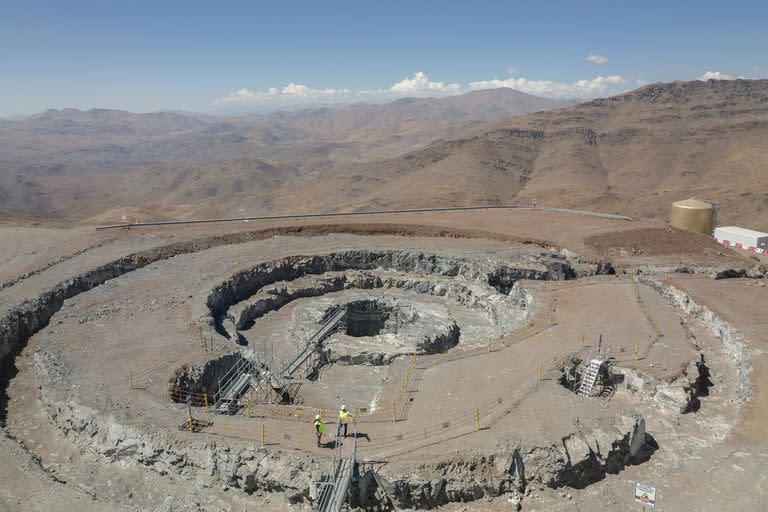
(692, 215)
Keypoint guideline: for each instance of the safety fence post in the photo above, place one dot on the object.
(541, 369)
(477, 418)
(637, 352)
(130, 378)
(247, 408)
(489, 343)
(262, 436)
(394, 413)
(414, 361)
(205, 400)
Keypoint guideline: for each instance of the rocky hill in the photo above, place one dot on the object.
(634, 153)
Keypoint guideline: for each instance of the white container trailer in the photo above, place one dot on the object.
(742, 238)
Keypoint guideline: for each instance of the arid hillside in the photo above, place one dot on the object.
(74, 164)
(634, 153)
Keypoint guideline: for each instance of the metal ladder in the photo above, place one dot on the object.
(590, 376)
(234, 383)
(337, 485)
(330, 324)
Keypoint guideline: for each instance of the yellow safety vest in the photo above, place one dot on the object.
(344, 416)
(319, 426)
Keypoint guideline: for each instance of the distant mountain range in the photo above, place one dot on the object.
(72, 163)
(633, 153)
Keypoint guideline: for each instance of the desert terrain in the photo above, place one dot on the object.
(462, 370)
(631, 154)
(545, 351)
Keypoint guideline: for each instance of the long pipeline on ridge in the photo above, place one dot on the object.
(372, 212)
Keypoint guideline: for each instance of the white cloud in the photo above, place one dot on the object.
(420, 84)
(597, 59)
(640, 82)
(597, 86)
(417, 85)
(715, 75)
(290, 92)
(244, 94)
(513, 71)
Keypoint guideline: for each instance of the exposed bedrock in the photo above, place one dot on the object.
(24, 320)
(382, 329)
(245, 284)
(679, 394)
(502, 311)
(578, 460)
(201, 379)
(733, 340)
(30, 316)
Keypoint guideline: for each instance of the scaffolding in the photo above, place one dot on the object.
(233, 385)
(334, 320)
(334, 488)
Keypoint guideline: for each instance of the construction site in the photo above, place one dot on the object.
(493, 359)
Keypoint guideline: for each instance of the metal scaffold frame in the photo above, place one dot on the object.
(335, 487)
(332, 322)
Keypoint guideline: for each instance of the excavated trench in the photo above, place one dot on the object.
(501, 277)
(369, 318)
(189, 383)
(28, 318)
(236, 304)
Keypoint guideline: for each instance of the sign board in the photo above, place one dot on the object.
(645, 495)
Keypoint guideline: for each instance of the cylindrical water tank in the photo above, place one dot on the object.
(692, 215)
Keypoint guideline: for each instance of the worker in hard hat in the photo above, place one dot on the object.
(319, 428)
(344, 418)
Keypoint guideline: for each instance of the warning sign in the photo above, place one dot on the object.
(645, 495)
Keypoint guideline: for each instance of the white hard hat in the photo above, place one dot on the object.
(317, 416)
(343, 407)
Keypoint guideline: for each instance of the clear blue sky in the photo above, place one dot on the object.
(190, 55)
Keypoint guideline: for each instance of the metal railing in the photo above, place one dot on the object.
(234, 383)
(329, 324)
(335, 488)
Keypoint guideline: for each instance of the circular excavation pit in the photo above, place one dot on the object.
(441, 349)
(370, 318)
